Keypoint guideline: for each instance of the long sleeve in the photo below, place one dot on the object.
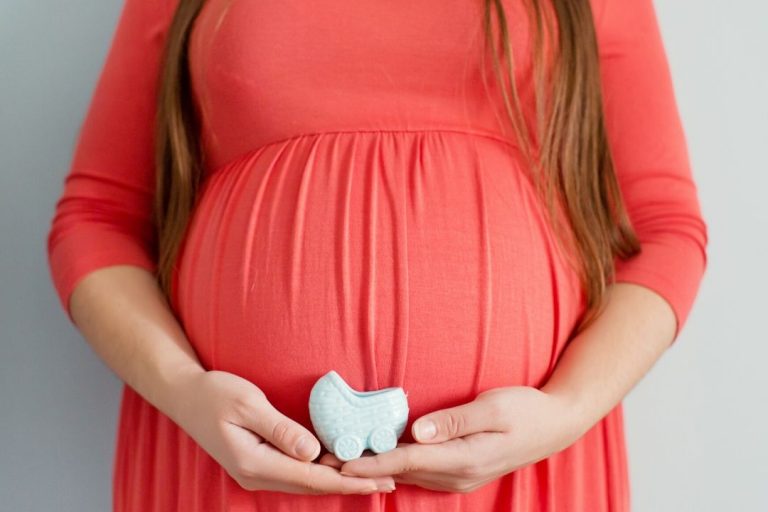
(650, 152)
(104, 214)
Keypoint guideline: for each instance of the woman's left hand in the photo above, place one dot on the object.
(501, 430)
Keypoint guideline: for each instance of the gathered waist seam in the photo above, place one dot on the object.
(460, 131)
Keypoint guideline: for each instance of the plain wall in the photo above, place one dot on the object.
(696, 424)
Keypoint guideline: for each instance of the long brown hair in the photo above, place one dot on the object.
(567, 150)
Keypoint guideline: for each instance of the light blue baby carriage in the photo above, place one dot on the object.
(348, 421)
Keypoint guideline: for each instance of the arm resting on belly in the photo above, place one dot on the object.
(125, 318)
(463, 447)
(603, 362)
(123, 315)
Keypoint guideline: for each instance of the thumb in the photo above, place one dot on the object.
(282, 432)
(451, 423)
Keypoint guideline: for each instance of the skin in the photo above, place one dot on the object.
(124, 317)
(507, 428)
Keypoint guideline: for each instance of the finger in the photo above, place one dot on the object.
(329, 459)
(484, 414)
(440, 482)
(441, 457)
(278, 429)
(427, 480)
(291, 475)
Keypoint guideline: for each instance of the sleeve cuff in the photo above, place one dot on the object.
(671, 269)
(80, 253)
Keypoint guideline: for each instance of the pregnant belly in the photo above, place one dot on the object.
(413, 259)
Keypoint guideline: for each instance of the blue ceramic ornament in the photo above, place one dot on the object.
(348, 422)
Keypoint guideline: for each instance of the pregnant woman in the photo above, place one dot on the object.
(486, 203)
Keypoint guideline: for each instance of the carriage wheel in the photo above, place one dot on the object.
(347, 447)
(382, 439)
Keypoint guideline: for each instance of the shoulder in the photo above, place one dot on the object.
(149, 11)
(147, 19)
(622, 22)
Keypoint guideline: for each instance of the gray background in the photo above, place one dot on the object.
(696, 425)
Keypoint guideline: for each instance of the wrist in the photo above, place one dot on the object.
(178, 392)
(578, 415)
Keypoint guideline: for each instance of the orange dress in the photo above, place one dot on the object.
(364, 209)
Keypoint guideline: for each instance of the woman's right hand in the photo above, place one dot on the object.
(259, 447)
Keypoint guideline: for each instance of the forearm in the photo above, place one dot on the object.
(603, 362)
(123, 315)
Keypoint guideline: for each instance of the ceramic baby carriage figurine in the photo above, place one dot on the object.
(348, 421)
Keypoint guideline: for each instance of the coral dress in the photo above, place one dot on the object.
(364, 209)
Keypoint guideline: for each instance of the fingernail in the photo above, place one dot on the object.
(385, 486)
(304, 447)
(425, 429)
